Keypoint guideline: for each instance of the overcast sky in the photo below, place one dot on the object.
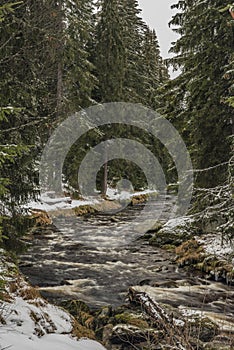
(157, 14)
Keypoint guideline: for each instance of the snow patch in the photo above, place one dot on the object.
(28, 322)
(38, 325)
(49, 202)
(114, 194)
(46, 203)
(18, 341)
(216, 245)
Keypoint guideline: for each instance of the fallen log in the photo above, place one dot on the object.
(173, 328)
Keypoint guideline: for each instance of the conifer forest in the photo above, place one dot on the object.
(116, 176)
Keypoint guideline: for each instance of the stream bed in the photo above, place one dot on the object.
(95, 261)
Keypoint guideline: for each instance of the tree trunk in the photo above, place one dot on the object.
(105, 175)
(161, 319)
(60, 45)
(59, 88)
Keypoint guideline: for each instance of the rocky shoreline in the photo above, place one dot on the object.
(28, 321)
(155, 317)
(207, 252)
(192, 313)
(141, 323)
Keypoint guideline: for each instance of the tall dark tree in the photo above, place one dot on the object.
(17, 90)
(133, 32)
(109, 51)
(128, 66)
(155, 73)
(126, 54)
(79, 79)
(45, 73)
(194, 100)
(7, 151)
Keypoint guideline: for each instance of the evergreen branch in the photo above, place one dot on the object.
(8, 8)
(228, 7)
(210, 168)
(34, 122)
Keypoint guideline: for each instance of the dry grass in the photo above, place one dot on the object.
(41, 217)
(29, 293)
(141, 198)
(80, 331)
(189, 253)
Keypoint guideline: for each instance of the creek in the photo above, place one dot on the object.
(96, 259)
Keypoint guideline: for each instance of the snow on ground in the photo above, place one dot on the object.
(177, 225)
(114, 194)
(37, 325)
(48, 203)
(216, 245)
(13, 341)
(28, 322)
(224, 321)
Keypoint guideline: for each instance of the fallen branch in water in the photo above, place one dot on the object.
(173, 327)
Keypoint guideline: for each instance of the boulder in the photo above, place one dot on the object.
(174, 232)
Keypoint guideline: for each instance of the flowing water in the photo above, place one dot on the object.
(97, 258)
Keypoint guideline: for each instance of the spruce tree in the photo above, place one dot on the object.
(155, 73)
(7, 152)
(194, 100)
(79, 79)
(45, 73)
(133, 33)
(126, 55)
(11, 149)
(128, 68)
(110, 52)
(24, 81)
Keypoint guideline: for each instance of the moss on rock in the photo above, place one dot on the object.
(131, 319)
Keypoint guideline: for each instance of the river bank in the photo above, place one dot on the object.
(27, 321)
(93, 281)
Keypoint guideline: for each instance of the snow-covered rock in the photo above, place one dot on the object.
(36, 325)
(174, 232)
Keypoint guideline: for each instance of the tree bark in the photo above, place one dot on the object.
(60, 45)
(105, 175)
(161, 319)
